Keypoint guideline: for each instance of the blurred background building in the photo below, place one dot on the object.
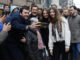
(66, 3)
(40, 3)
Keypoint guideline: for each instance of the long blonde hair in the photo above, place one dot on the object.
(57, 19)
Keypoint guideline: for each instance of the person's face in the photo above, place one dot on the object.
(6, 8)
(39, 12)
(52, 13)
(15, 10)
(3, 18)
(66, 12)
(25, 13)
(45, 14)
(72, 11)
(34, 11)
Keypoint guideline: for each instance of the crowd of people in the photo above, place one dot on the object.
(33, 33)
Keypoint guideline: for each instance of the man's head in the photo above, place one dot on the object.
(66, 13)
(6, 8)
(3, 19)
(34, 10)
(24, 12)
(40, 11)
(73, 10)
(53, 6)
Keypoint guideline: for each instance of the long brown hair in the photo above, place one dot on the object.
(57, 19)
(57, 15)
(47, 10)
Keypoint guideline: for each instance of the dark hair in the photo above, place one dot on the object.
(33, 3)
(6, 5)
(61, 11)
(24, 7)
(78, 9)
(74, 7)
(45, 9)
(54, 5)
(34, 6)
(40, 9)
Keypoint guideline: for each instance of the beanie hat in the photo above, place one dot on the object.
(12, 8)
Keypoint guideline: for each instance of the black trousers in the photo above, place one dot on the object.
(59, 51)
(39, 56)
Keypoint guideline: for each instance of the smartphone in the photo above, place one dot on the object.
(44, 24)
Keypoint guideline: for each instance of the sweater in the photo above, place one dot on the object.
(75, 28)
(65, 34)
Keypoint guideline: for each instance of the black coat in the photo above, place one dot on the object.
(32, 45)
(18, 29)
(45, 33)
(11, 49)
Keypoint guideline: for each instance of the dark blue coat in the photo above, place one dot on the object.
(11, 48)
(12, 16)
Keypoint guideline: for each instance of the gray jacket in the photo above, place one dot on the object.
(75, 29)
(3, 35)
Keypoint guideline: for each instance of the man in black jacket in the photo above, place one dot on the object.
(34, 38)
(34, 12)
(11, 49)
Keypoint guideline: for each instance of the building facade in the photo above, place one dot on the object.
(40, 3)
(70, 3)
(55, 2)
(66, 3)
(62, 3)
(15, 2)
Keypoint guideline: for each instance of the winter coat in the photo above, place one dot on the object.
(45, 32)
(75, 29)
(32, 45)
(12, 16)
(66, 35)
(11, 48)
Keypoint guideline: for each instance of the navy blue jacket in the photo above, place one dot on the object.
(12, 16)
(18, 29)
(11, 47)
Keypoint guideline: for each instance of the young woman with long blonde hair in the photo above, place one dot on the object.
(59, 35)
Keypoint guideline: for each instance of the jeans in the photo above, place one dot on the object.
(76, 50)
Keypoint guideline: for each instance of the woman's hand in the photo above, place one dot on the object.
(6, 27)
(51, 52)
(67, 49)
